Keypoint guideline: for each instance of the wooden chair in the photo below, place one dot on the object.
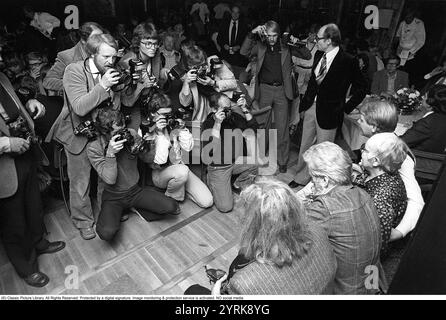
(427, 168)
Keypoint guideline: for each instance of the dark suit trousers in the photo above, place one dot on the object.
(275, 97)
(151, 204)
(21, 218)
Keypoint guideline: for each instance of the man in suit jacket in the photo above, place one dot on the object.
(21, 212)
(87, 85)
(230, 38)
(390, 80)
(324, 101)
(273, 85)
(53, 79)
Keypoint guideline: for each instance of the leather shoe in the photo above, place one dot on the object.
(293, 184)
(87, 233)
(37, 279)
(52, 247)
(283, 168)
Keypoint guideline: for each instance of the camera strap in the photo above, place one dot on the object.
(70, 108)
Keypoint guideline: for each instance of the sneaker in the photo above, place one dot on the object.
(87, 233)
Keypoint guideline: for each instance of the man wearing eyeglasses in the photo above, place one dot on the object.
(334, 71)
(151, 73)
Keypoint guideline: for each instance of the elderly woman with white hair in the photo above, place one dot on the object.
(382, 157)
(347, 214)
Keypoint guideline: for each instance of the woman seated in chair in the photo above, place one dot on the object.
(429, 133)
(382, 157)
(281, 253)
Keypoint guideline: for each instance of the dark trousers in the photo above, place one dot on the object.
(21, 218)
(275, 97)
(151, 204)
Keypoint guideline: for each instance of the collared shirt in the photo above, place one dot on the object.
(330, 57)
(271, 71)
(391, 83)
(94, 70)
(231, 25)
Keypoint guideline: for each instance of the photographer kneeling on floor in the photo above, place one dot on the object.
(171, 137)
(220, 171)
(114, 156)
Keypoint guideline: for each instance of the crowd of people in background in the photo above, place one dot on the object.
(116, 101)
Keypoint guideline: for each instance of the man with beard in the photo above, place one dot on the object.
(87, 86)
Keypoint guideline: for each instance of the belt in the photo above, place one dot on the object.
(274, 84)
(303, 67)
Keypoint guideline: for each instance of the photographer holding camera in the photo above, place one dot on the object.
(170, 138)
(220, 121)
(147, 62)
(112, 155)
(274, 86)
(198, 84)
(21, 214)
(88, 86)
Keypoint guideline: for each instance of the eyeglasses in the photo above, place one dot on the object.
(150, 44)
(318, 38)
(363, 149)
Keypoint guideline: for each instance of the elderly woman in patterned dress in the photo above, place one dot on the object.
(382, 157)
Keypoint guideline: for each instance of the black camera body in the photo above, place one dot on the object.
(20, 129)
(136, 66)
(86, 129)
(173, 118)
(177, 71)
(132, 145)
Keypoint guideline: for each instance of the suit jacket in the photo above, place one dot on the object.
(224, 38)
(428, 134)
(380, 80)
(331, 92)
(8, 173)
(84, 94)
(311, 274)
(53, 80)
(259, 49)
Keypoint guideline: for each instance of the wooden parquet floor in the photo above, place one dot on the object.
(150, 258)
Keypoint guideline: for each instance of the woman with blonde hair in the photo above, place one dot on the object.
(281, 254)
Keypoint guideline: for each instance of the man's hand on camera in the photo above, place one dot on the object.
(220, 116)
(115, 146)
(35, 108)
(18, 145)
(160, 123)
(109, 79)
(236, 48)
(259, 29)
(241, 102)
(191, 76)
(206, 81)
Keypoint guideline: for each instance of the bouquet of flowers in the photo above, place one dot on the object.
(407, 100)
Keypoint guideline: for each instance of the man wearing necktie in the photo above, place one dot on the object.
(230, 38)
(324, 101)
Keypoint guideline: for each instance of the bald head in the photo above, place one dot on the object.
(329, 37)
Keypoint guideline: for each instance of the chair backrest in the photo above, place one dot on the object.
(428, 164)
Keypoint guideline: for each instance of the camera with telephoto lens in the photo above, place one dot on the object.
(20, 129)
(177, 72)
(136, 66)
(286, 39)
(125, 79)
(86, 129)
